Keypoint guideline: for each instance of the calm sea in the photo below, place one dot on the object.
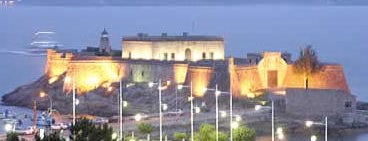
(338, 33)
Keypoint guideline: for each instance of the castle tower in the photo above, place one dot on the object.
(105, 42)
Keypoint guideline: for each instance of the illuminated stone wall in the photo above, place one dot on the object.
(137, 50)
(250, 80)
(57, 63)
(90, 74)
(157, 49)
(330, 77)
(201, 78)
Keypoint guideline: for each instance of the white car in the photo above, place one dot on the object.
(25, 131)
(100, 120)
(59, 126)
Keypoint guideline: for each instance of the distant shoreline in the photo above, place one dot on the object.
(191, 3)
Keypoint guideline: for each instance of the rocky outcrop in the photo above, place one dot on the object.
(101, 102)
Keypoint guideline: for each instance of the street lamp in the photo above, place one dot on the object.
(43, 94)
(138, 117)
(313, 138)
(310, 123)
(68, 79)
(114, 136)
(217, 94)
(160, 101)
(197, 110)
(9, 127)
(280, 133)
(259, 107)
(223, 114)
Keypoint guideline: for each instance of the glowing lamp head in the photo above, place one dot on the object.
(190, 98)
(223, 114)
(309, 123)
(238, 118)
(8, 127)
(138, 117)
(42, 94)
(180, 87)
(218, 93)
(67, 79)
(281, 136)
(114, 136)
(164, 107)
(234, 124)
(150, 84)
(197, 110)
(204, 90)
(279, 130)
(109, 89)
(257, 107)
(76, 101)
(313, 138)
(125, 103)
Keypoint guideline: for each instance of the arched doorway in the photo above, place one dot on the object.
(188, 55)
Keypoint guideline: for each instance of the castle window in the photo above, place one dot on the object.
(172, 56)
(142, 73)
(165, 56)
(348, 104)
(131, 72)
(212, 55)
(130, 55)
(203, 55)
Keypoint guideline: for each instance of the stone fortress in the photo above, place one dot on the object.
(184, 59)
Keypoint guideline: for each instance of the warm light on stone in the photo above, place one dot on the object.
(200, 77)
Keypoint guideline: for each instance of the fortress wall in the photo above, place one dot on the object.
(137, 49)
(196, 48)
(201, 78)
(148, 71)
(57, 63)
(330, 77)
(338, 103)
(90, 74)
(245, 80)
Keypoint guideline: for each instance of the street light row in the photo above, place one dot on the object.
(193, 109)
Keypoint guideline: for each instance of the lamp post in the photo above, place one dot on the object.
(310, 123)
(160, 103)
(74, 102)
(120, 111)
(191, 109)
(217, 93)
(43, 94)
(273, 121)
(258, 107)
(231, 110)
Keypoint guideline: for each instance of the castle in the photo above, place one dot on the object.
(181, 60)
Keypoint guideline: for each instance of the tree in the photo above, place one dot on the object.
(11, 136)
(55, 136)
(307, 64)
(85, 130)
(178, 136)
(243, 133)
(208, 133)
(145, 128)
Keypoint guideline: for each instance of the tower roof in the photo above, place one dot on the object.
(104, 31)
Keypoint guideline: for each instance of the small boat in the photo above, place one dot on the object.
(7, 114)
(42, 41)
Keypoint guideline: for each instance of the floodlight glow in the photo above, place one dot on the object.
(309, 123)
(125, 103)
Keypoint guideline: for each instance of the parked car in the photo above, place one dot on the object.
(25, 131)
(59, 126)
(100, 120)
